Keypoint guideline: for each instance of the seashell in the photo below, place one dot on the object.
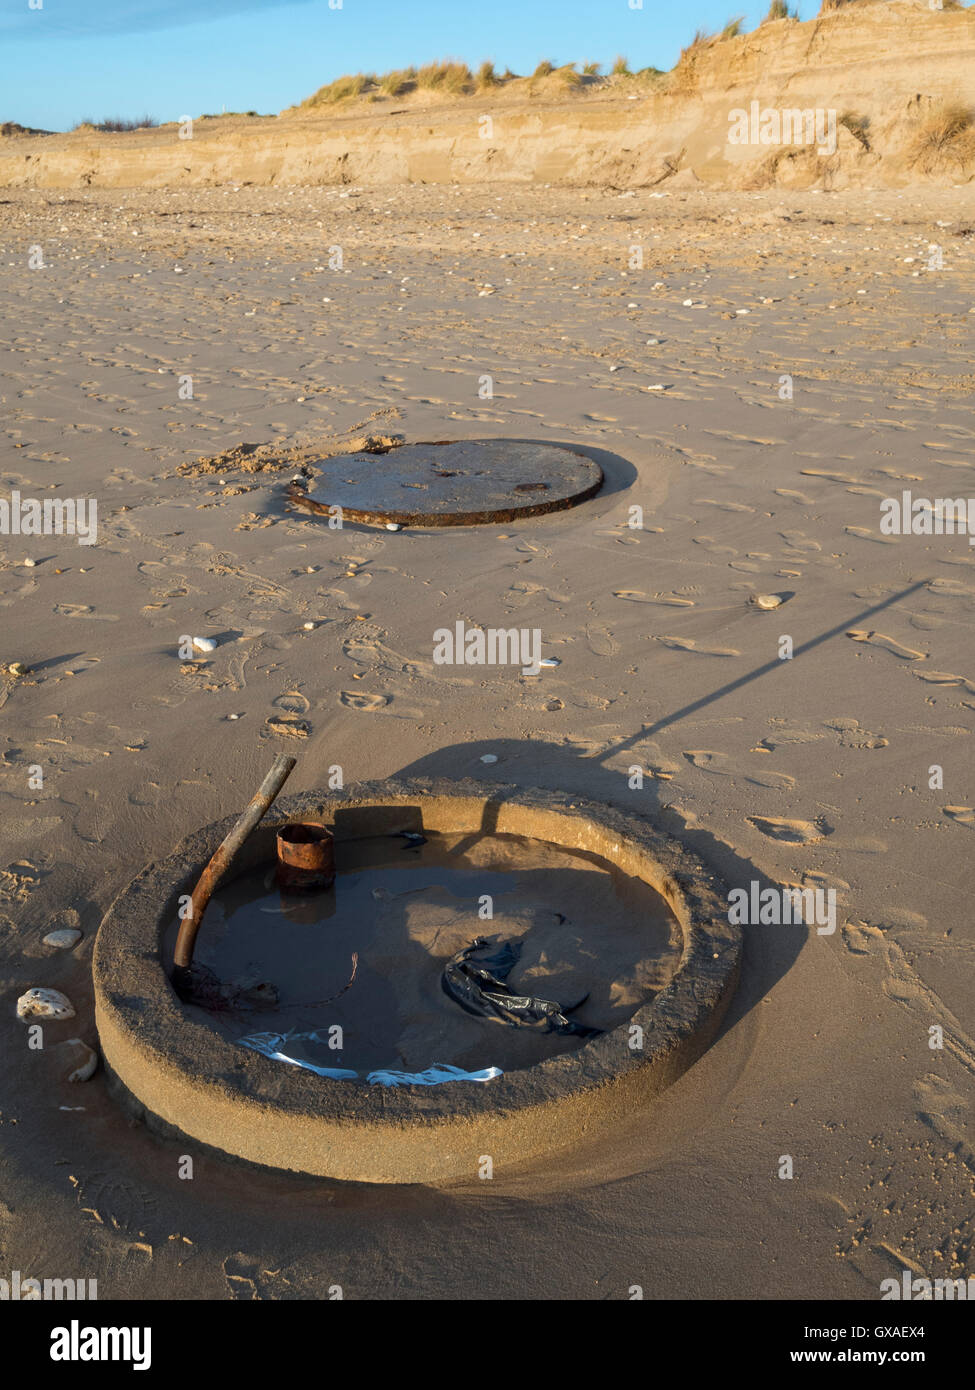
(44, 1003)
(204, 644)
(63, 939)
(85, 1057)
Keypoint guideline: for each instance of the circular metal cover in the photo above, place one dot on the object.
(459, 483)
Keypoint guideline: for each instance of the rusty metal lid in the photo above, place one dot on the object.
(451, 483)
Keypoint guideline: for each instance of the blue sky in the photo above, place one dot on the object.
(72, 59)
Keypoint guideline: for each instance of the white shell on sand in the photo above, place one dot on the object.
(766, 600)
(63, 938)
(44, 1003)
(84, 1058)
(204, 644)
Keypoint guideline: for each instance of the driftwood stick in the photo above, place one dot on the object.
(211, 876)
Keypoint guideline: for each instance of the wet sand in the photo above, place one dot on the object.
(589, 938)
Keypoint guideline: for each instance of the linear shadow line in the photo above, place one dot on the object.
(773, 665)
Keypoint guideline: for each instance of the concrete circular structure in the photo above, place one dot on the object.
(177, 1070)
(451, 483)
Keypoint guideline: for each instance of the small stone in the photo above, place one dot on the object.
(550, 661)
(309, 627)
(204, 644)
(17, 668)
(233, 716)
(653, 342)
(766, 600)
(44, 1003)
(489, 757)
(63, 939)
(29, 563)
(84, 1058)
(393, 526)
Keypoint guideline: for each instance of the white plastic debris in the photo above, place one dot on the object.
(306, 1049)
(433, 1076)
(63, 939)
(85, 1058)
(204, 644)
(44, 1003)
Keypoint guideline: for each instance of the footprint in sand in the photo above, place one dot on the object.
(687, 644)
(601, 641)
(863, 533)
(666, 600)
(83, 610)
(285, 726)
(292, 701)
(723, 766)
(362, 700)
(964, 815)
(946, 678)
(853, 736)
(880, 639)
(791, 832)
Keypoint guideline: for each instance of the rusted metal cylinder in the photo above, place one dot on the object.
(306, 857)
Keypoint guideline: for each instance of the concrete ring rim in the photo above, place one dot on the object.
(156, 1051)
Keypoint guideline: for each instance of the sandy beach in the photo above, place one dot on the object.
(772, 367)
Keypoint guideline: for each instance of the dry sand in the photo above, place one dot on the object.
(811, 771)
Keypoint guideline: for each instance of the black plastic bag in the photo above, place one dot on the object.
(479, 987)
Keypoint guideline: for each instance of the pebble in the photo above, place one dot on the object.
(489, 757)
(17, 668)
(44, 1003)
(393, 526)
(204, 644)
(658, 386)
(29, 563)
(550, 661)
(309, 627)
(766, 600)
(63, 939)
(653, 342)
(85, 1060)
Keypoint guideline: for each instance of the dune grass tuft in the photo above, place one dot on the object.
(945, 136)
